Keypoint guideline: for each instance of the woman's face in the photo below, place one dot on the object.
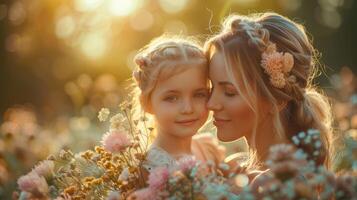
(232, 115)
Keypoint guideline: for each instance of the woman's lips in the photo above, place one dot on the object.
(220, 121)
(188, 122)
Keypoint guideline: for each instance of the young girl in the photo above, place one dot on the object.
(261, 68)
(173, 83)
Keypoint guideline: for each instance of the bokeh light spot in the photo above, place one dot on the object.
(330, 18)
(17, 13)
(93, 45)
(291, 5)
(87, 5)
(241, 180)
(175, 26)
(12, 43)
(171, 6)
(65, 27)
(3, 11)
(122, 7)
(142, 21)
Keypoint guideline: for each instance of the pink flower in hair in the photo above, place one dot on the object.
(272, 63)
(277, 65)
(141, 61)
(116, 141)
(278, 80)
(288, 61)
(271, 49)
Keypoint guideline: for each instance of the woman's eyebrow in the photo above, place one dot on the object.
(223, 83)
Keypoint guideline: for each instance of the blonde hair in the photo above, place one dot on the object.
(242, 42)
(162, 58)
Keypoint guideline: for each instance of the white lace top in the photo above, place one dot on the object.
(204, 147)
(158, 157)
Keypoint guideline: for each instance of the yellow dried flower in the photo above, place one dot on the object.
(89, 178)
(97, 181)
(99, 149)
(140, 156)
(108, 165)
(70, 190)
(87, 155)
(132, 169)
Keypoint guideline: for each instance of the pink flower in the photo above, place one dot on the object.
(186, 163)
(271, 48)
(34, 184)
(158, 178)
(272, 63)
(144, 194)
(45, 168)
(277, 80)
(115, 141)
(113, 195)
(288, 62)
(277, 65)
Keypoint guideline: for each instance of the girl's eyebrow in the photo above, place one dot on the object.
(201, 89)
(171, 91)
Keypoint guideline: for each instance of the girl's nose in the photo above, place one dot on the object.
(187, 107)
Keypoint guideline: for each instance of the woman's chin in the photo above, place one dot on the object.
(226, 138)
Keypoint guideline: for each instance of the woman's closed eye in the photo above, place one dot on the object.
(229, 92)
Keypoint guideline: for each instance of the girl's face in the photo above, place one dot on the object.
(232, 115)
(179, 102)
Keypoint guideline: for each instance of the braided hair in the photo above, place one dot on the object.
(162, 58)
(243, 41)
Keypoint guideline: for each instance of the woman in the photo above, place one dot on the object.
(261, 69)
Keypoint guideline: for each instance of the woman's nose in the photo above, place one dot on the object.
(213, 103)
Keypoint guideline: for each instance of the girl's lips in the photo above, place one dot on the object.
(187, 122)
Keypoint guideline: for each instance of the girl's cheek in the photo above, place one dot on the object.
(203, 108)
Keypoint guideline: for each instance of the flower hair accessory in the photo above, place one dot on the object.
(277, 65)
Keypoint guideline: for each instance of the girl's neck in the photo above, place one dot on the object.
(174, 145)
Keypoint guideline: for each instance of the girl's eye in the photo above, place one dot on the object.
(171, 98)
(201, 95)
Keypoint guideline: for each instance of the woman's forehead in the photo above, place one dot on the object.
(217, 68)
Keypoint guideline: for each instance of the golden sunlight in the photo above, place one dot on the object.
(65, 26)
(87, 5)
(170, 6)
(93, 45)
(122, 7)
